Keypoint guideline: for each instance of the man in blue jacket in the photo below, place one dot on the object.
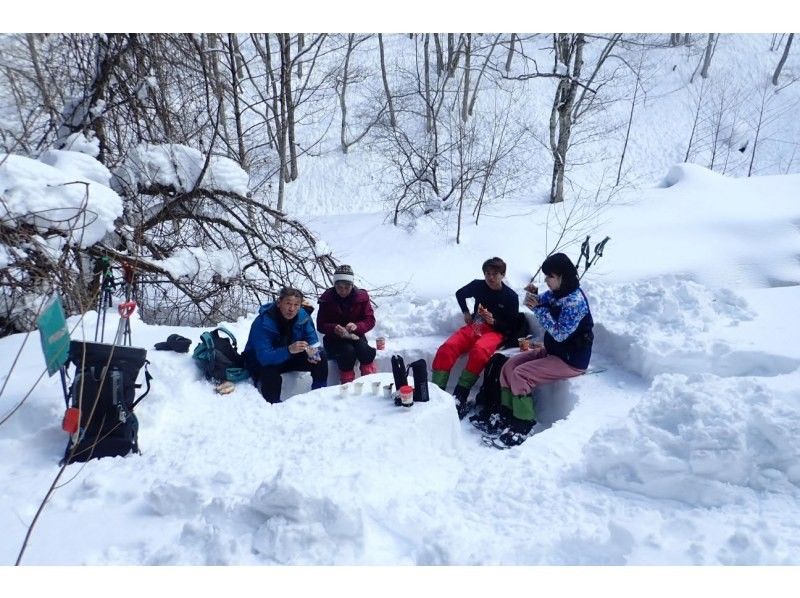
(282, 339)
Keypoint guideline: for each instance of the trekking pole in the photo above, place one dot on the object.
(125, 309)
(104, 299)
(584, 254)
(598, 250)
(598, 253)
(128, 276)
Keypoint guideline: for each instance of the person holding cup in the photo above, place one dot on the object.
(492, 319)
(345, 316)
(282, 339)
(564, 314)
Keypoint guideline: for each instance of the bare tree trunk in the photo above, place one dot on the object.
(280, 124)
(710, 47)
(569, 52)
(510, 51)
(286, 84)
(439, 57)
(343, 92)
(687, 39)
(41, 84)
(237, 111)
(301, 40)
(450, 53)
(217, 85)
(392, 120)
(674, 39)
(427, 68)
(480, 74)
(783, 59)
(465, 94)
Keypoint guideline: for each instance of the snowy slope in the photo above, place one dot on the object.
(683, 452)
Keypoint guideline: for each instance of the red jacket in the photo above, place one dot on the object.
(356, 308)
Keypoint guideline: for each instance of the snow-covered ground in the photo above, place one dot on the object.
(684, 451)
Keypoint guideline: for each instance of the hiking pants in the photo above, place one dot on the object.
(346, 351)
(269, 376)
(526, 370)
(463, 340)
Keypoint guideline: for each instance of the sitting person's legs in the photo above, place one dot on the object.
(270, 380)
(344, 352)
(366, 356)
(459, 343)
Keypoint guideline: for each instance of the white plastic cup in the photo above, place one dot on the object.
(343, 390)
(387, 391)
(358, 387)
(376, 387)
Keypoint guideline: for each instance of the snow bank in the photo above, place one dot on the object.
(702, 440)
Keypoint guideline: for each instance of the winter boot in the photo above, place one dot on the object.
(511, 438)
(347, 376)
(489, 423)
(461, 394)
(368, 368)
(440, 377)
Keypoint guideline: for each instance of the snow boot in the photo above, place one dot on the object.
(346, 376)
(368, 368)
(461, 395)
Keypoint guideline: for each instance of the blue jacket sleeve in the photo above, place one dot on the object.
(262, 338)
(573, 309)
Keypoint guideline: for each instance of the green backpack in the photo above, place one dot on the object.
(217, 357)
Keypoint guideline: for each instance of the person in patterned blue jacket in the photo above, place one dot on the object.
(563, 311)
(283, 339)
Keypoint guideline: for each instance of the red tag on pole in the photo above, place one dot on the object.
(127, 308)
(71, 418)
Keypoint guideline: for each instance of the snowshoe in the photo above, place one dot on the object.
(491, 424)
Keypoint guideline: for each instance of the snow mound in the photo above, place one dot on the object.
(666, 324)
(687, 174)
(702, 440)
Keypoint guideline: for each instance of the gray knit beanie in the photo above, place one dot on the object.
(343, 273)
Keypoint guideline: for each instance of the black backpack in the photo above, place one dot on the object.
(218, 358)
(519, 329)
(103, 391)
(488, 396)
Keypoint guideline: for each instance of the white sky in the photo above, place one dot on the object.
(413, 15)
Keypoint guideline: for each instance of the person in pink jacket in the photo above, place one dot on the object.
(345, 316)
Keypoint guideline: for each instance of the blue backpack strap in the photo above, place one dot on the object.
(230, 335)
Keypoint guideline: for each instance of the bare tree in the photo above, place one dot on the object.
(569, 62)
(782, 61)
(392, 119)
(510, 51)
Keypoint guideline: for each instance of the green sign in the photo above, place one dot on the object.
(54, 334)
